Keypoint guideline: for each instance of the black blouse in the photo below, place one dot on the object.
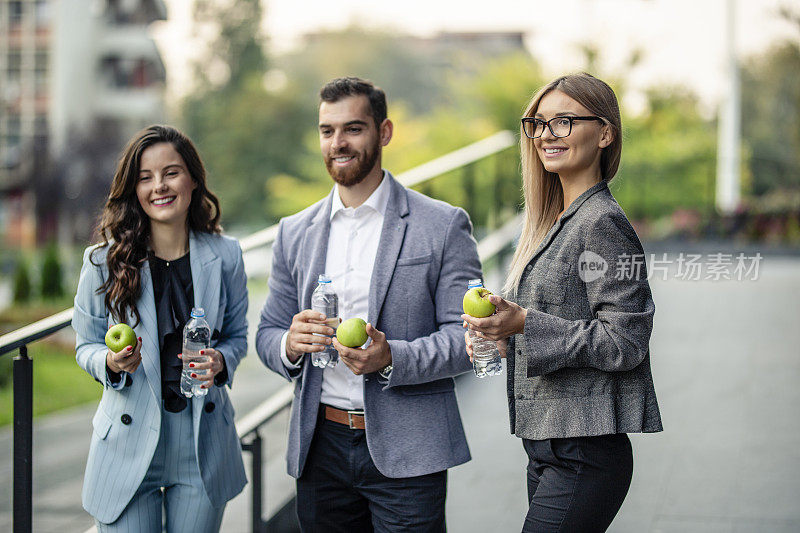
(174, 296)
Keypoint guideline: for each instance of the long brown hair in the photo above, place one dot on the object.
(125, 227)
(544, 197)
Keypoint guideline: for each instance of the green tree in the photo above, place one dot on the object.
(245, 133)
(771, 118)
(52, 282)
(22, 282)
(668, 157)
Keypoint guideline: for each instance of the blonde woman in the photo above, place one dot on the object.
(577, 320)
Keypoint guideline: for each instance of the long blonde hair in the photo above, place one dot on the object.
(544, 197)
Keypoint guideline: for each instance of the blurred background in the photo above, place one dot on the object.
(710, 96)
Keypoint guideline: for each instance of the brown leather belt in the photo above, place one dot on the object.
(352, 419)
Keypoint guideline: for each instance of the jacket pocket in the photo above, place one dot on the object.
(101, 424)
(419, 260)
(551, 285)
(433, 387)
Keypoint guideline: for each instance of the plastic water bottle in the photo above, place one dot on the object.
(196, 337)
(325, 301)
(485, 355)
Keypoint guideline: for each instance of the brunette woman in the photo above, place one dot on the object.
(155, 454)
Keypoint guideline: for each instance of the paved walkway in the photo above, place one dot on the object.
(726, 361)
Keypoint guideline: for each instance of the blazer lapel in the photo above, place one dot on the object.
(206, 282)
(151, 354)
(311, 263)
(391, 242)
(206, 276)
(573, 207)
(314, 252)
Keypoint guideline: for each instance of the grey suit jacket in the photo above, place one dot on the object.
(425, 257)
(582, 365)
(120, 452)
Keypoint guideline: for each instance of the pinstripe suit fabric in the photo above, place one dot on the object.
(174, 468)
(121, 453)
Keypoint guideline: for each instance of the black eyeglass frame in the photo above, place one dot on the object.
(532, 120)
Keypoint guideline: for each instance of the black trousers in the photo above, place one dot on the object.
(576, 484)
(341, 490)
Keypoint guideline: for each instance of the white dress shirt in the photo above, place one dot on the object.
(352, 247)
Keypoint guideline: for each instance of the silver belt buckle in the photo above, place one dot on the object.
(350, 417)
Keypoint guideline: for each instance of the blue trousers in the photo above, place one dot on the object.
(341, 490)
(172, 494)
(576, 484)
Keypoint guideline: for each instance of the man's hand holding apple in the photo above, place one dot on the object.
(301, 338)
(373, 358)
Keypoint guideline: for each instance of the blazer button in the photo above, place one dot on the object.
(519, 351)
(520, 397)
(126, 419)
(209, 408)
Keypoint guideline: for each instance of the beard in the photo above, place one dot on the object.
(347, 177)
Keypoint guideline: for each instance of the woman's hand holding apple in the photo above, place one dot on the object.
(127, 359)
(508, 319)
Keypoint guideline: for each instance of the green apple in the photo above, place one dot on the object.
(352, 332)
(477, 304)
(120, 337)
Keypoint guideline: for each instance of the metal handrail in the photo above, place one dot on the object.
(463, 156)
(248, 426)
(436, 167)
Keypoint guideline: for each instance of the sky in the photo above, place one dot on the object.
(683, 40)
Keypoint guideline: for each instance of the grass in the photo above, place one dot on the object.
(58, 381)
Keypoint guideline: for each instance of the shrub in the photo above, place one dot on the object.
(52, 285)
(22, 282)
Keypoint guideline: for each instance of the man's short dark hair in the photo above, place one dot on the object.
(339, 88)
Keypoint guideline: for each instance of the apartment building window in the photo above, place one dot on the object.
(128, 73)
(14, 65)
(13, 130)
(42, 13)
(16, 9)
(40, 69)
(40, 125)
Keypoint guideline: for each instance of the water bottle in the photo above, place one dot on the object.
(196, 337)
(325, 301)
(485, 355)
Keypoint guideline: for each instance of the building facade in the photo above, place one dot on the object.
(77, 77)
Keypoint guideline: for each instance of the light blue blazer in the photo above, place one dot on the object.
(426, 256)
(120, 452)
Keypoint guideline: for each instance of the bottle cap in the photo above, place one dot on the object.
(471, 284)
(198, 312)
(323, 278)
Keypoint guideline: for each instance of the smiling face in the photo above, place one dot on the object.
(578, 153)
(164, 187)
(349, 139)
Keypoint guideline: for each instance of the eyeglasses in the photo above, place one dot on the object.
(559, 126)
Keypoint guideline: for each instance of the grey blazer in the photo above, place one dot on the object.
(127, 424)
(426, 256)
(582, 365)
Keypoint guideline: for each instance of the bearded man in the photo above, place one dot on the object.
(371, 438)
